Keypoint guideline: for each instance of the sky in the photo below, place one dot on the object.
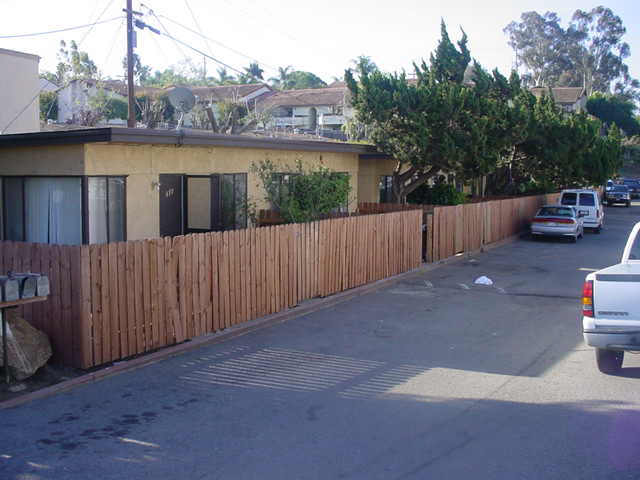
(320, 37)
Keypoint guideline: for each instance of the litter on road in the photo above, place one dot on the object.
(483, 281)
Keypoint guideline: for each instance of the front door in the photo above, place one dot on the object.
(171, 205)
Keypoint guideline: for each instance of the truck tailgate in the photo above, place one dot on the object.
(616, 296)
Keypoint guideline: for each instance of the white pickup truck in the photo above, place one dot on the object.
(611, 308)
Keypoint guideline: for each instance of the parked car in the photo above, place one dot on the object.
(618, 194)
(634, 186)
(558, 221)
(588, 204)
(612, 323)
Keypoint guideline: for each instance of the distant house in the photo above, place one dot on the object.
(74, 97)
(47, 86)
(570, 99)
(19, 93)
(247, 94)
(325, 108)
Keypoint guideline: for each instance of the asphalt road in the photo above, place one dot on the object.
(433, 377)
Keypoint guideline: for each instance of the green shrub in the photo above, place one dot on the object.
(440, 194)
(307, 195)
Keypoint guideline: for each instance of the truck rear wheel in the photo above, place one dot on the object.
(609, 361)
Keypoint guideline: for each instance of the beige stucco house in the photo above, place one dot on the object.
(569, 99)
(113, 184)
(19, 95)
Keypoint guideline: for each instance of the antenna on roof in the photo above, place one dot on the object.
(182, 100)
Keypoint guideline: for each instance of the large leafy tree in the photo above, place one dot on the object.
(612, 109)
(299, 80)
(567, 150)
(539, 43)
(589, 53)
(72, 64)
(437, 124)
(597, 50)
(169, 76)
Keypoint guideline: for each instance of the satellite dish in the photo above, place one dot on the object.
(182, 100)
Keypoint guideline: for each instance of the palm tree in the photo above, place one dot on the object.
(254, 71)
(282, 80)
(224, 77)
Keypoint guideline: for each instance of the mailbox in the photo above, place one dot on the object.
(15, 286)
(42, 285)
(9, 289)
(27, 284)
(32, 284)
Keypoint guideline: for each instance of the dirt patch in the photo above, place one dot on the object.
(45, 377)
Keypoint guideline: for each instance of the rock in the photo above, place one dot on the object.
(28, 347)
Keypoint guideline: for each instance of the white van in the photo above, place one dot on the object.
(588, 204)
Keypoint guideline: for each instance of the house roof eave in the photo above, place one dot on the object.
(174, 137)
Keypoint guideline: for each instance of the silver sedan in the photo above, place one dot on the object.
(559, 221)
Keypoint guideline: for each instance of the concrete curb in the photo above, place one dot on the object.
(309, 306)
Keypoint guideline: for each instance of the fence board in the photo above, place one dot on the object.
(179, 325)
(195, 285)
(153, 339)
(130, 265)
(171, 292)
(123, 321)
(160, 332)
(214, 246)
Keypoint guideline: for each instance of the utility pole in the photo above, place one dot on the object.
(131, 121)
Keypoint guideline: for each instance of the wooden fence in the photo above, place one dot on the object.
(116, 300)
(463, 228)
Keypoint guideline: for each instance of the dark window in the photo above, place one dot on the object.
(587, 200)
(106, 209)
(233, 200)
(13, 211)
(569, 198)
(385, 187)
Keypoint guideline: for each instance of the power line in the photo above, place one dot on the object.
(178, 41)
(97, 18)
(202, 53)
(62, 29)
(152, 13)
(248, 57)
(195, 20)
